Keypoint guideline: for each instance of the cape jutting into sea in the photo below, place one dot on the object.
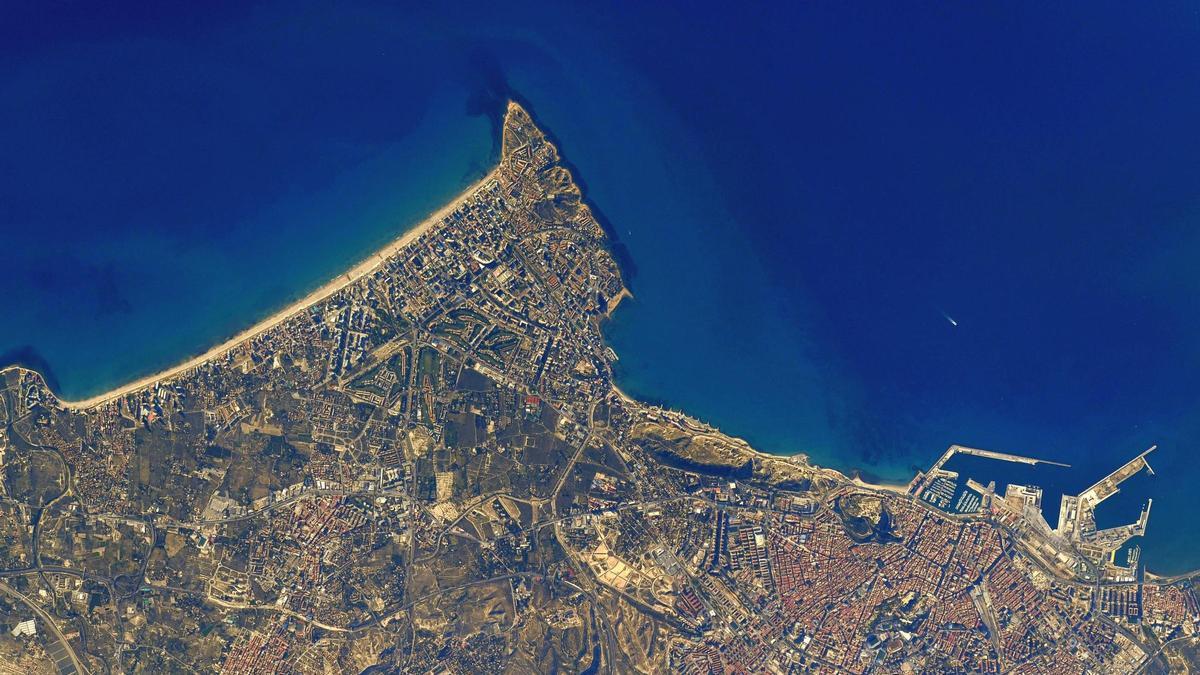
(862, 235)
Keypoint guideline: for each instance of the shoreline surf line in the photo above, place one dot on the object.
(323, 292)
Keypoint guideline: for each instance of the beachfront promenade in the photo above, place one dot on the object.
(362, 269)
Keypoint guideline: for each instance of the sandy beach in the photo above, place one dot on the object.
(615, 302)
(893, 487)
(334, 285)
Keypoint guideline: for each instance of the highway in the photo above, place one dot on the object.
(64, 656)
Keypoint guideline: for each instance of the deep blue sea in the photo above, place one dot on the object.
(809, 192)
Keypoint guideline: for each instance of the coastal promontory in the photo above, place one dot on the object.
(425, 466)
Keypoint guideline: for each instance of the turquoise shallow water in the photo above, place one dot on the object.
(805, 193)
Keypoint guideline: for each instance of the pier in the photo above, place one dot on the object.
(1077, 514)
(1110, 484)
(1114, 537)
(991, 454)
(923, 481)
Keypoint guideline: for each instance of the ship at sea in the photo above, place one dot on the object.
(793, 186)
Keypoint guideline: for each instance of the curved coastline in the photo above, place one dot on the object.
(493, 102)
(363, 268)
(27, 358)
(620, 252)
(369, 264)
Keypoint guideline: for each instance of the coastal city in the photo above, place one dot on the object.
(425, 467)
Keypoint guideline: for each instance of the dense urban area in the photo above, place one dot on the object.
(431, 471)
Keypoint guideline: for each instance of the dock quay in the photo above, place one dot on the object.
(1077, 514)
(1110, 484)
(1114, 537)
(925, 480)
